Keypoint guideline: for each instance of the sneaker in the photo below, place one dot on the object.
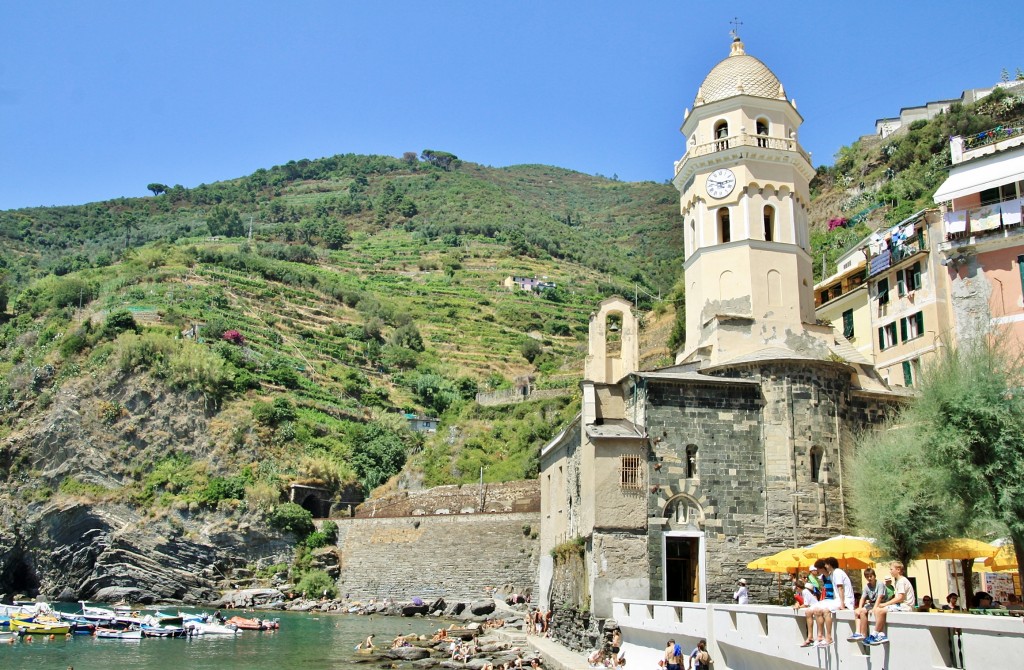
(870, 639)
(855, 637)
(881, 638)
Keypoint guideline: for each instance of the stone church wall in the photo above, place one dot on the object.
(754, 452)
(454, 557)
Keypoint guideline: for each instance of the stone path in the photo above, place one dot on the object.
(557, 657)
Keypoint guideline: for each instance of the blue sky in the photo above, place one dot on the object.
(98, 99)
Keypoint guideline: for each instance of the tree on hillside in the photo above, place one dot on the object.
(441, 159)
(226, 221)
(336, 235)
(157, 188)
(410, 158)
(129, 222)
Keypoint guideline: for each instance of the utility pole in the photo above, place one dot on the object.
(481, 488)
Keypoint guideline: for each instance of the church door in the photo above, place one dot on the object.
(682, 569)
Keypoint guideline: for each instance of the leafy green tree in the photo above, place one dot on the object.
(531, 349)
(157, 188)
(971, 417)
(897, 495)
(336, 235)
(129, 222)
(379, 454)
(226, 221)
(3, 296)
(119, 321)
(441, 159)
(309, 228)
(407, 336)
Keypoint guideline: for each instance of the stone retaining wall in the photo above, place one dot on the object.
(454, 557)
(504, 497)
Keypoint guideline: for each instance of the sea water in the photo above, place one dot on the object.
(305, 640)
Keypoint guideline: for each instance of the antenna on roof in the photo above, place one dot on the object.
(736, 23)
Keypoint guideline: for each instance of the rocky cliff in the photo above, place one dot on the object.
(79, 519)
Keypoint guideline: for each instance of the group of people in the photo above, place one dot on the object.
(538, 622)
(698, 659)
(827, 589)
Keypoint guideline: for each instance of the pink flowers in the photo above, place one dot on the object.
(235, 337)
(837, 222)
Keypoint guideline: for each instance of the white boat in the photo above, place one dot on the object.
(200, 628)
(113, 634)
(6, 636)
(96, 613)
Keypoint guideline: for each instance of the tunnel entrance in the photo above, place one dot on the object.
(315, 499)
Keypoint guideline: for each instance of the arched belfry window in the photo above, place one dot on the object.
(762, 132)
(691, 461)
(817, 456)
(769, 223)
(724, 228)
(721, 135)
(613, 337)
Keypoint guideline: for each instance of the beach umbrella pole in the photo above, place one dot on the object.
(928, 570)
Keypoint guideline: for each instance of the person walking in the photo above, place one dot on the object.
(742, 595)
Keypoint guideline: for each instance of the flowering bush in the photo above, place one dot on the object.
(833, 223)
(235, 337)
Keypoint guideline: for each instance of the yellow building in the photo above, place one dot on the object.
(842, 300)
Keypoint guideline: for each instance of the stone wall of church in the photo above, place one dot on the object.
(756, 448)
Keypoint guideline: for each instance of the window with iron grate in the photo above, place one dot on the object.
(629, 472)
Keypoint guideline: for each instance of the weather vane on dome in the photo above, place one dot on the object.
(736, 23)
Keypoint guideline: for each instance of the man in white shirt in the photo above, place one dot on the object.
(903, 600)
(742, 596)
(842, 597)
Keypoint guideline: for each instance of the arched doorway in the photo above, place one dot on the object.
(683, 565)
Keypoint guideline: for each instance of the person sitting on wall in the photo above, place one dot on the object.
(873, 590)
(804, 596)
(814, 615)
(903, 600)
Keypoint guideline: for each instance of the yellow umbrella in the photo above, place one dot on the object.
(851, 551)
(957, 548)
(1004, 560)
(785, 561)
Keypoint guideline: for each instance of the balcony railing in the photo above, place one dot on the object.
(991, 136)
(747, 140)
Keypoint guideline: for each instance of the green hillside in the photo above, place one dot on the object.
(371, 289)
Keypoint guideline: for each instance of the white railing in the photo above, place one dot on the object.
(767, 638)
(747, 140)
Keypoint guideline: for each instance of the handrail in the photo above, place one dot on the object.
(991, 136)
(746, 140)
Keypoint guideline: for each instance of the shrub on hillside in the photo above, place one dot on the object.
(119, 321)
(292, 518)
(273, 413)
(316, 584)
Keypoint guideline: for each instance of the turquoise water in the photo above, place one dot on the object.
(305, 640)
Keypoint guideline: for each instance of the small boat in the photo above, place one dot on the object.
(163, 631)
(165, 619)
(254, 624)
(115, 634)
(203, 628)
(40, 627)
(6, 636)
(79, 625)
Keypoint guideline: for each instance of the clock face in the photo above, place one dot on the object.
(720, 183)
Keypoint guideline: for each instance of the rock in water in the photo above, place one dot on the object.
(482, 607)
(407, 653)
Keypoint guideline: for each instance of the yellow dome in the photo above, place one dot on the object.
(739, 74)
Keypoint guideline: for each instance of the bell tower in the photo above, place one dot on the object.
(743, 185)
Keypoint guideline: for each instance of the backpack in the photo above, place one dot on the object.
(704, 658)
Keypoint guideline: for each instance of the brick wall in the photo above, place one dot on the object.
(454, 557)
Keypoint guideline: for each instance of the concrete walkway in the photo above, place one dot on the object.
(557, 657)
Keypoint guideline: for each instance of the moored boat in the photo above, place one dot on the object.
(162, 631)
(203, 628)
(254, 624)
(114, 634)
(38, 627)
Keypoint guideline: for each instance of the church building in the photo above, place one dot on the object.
(672, 480)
